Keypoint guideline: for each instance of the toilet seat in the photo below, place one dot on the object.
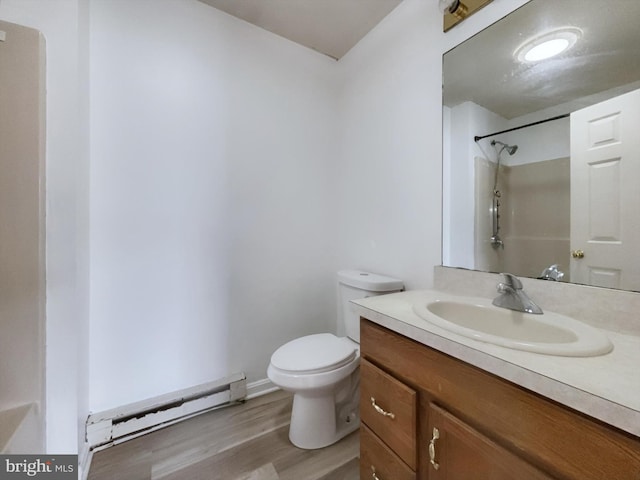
(317, 353)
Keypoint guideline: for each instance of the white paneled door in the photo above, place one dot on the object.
(605, 193)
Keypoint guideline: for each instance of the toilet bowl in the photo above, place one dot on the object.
(322, 370)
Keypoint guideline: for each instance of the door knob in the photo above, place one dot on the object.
(577, 254)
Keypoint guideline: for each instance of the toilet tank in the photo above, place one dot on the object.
(353, 285)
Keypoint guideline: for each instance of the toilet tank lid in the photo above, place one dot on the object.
(371, 282)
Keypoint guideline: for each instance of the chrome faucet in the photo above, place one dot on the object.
(552, 273)
(512, 296)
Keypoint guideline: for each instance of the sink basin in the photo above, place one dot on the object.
(550, 333)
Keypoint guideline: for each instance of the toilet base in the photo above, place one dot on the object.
(317, 422)
(321, 417)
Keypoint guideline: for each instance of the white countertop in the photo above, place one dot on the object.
(606, 387)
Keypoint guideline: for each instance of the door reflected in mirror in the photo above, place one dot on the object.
(540, 157)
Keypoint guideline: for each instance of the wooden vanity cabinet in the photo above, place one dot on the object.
(487, 428)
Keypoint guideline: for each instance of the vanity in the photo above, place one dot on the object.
(437, 405)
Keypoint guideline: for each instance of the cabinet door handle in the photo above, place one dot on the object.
(432, 448)
(373, 473)
(380, 410)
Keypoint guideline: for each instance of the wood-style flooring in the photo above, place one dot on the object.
(241, 442)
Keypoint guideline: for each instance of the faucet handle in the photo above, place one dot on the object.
(512, 281)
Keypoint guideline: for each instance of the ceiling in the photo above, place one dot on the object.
(607, 57)
(482, 69)
(331, 27)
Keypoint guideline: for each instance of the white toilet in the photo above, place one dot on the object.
(322, 370)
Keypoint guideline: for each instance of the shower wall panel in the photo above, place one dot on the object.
(534, 217)
(22, 241)
(536, 231)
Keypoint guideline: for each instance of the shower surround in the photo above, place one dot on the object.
(534, 216)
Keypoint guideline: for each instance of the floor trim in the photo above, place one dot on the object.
(260, 387)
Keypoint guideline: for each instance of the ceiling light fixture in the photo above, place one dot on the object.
(548, 44)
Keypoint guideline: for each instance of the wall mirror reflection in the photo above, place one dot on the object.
(541, 145)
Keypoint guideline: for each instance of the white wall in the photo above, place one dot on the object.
(389, 178)
(546, 141)
(212, 150)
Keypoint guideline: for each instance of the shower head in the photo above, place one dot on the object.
(511, 149)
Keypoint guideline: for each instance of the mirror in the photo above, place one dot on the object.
(525, 209)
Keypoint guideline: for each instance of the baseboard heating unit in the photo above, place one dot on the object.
(111, 427)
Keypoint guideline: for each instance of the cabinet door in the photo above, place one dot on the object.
(458, 452)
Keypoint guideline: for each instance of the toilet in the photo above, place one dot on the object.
(322, 371)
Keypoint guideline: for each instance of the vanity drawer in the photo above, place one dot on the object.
(378, 458)
(389, 408)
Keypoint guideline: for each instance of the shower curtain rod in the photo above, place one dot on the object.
(476, 138)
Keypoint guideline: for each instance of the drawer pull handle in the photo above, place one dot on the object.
(373, 473)
(432, 449)
(380, 410)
